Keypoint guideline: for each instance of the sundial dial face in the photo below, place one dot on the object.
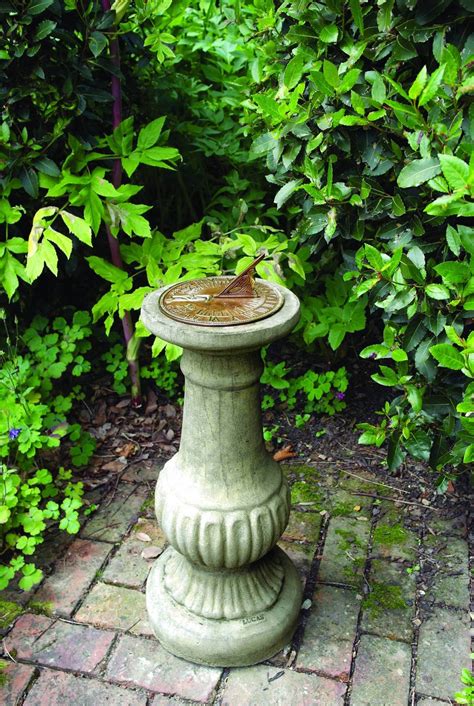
(204, 303)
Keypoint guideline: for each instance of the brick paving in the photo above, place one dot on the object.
(373, 630)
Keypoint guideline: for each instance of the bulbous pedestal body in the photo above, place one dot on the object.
(222, 594)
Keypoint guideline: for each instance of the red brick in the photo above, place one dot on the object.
(269, 685)
(58, 644)
(116, 608)
(382, 667)
(330, 632)
(112, 520)
(73, 574)
(144, 663)
(15, 679)
(63, 689)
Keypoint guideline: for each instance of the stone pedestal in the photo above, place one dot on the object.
(222, 594)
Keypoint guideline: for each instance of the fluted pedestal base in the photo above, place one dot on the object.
(226, 642)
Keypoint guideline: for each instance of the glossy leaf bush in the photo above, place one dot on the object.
(364, 118)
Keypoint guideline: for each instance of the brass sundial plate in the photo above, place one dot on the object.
(195, 302)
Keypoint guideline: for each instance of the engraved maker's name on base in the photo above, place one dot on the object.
(253, 619)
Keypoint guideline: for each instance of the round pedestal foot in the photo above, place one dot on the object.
(223, 643)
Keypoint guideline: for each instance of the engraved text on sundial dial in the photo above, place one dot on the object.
(221, 301)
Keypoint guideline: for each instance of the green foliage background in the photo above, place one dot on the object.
(336, 137)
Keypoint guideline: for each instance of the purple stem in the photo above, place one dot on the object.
(127, 322)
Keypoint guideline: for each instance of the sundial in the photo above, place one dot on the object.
(222, 593)
(222, 301)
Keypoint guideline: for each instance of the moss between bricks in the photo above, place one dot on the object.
(383, 596)
(8, 612)
(41, 608)
(389, 535)
(3, 677)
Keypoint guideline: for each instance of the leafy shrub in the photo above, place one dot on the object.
(361, 113)
(32, 426)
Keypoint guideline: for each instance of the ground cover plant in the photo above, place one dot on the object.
(146, 142)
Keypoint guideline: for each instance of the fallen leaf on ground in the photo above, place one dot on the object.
(114, 466)
(126, 450)
(143, 537)
(284, 453)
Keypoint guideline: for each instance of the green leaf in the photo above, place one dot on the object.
(44, 29)
(36, 7)
(97, 43)
(47, 166)
(62, 241)
(357, 15)
(453, 272)
(286, 191)
(268, 106)
(418, 171)
(447, 356)
(293, 71)
(453, 240)
(328, 34)
(455, 171)
(378, 89)
(373, 257)
(77, 226)
(5, 513)
(418, 84)
(336, 335)
(437, 291)
(431, 88)
(106, 270)
(149, 135)
(331, 74)
(128, 217)
(29, 181)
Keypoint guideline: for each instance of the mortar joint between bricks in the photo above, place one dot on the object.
(216, 698)
(358, 633)
(308, 591)
(416, 626)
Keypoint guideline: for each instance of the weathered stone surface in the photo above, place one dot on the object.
(391, 540)
(262, 684)
(344, 551)
(58, 644)
(146, 472)
(110, 522)
(144, 663)
(301, 555)
(452, 526)
(15, 679)
(116, 608)
(73, 574)
(160, 700)
(430, 702)
(128, 567)
(330, 632)
(443, 651)
(342, 503)
(382, 673)
(302, 527)
(63, 689)
(450, 583)
(390, 584)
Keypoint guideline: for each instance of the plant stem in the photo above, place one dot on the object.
(127, 322)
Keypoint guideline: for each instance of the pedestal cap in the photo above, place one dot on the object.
(240, 337)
